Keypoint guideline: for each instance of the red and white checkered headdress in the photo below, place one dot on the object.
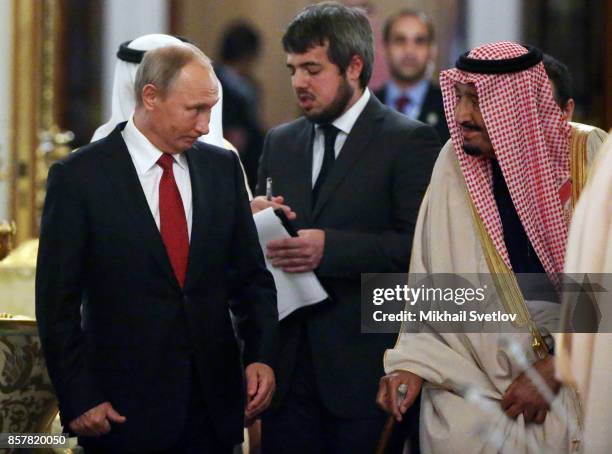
(530, 140)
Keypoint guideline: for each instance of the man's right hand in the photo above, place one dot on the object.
(261, 203)
(523, 397)
(96, 421)
(387, 397)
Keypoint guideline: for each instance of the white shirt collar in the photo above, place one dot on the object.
(346, 121)
(144, 154)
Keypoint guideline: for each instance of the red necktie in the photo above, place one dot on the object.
(401, 103)
(172, 220)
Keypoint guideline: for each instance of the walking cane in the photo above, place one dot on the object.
(387, 431)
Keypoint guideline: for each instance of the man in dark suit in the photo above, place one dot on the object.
(354, 172)
(151, 232)
(239, 50)
(410, 46)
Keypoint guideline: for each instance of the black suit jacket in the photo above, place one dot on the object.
(139, 331)
(432, 111)
(367, 207)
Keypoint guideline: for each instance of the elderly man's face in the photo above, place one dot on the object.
(323, 92)
(476, 141)
(409, 49)
(182, 114)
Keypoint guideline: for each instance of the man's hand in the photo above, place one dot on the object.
(96, 421)
(260, 389)
(387, 397)
(523, 397)
(298, 254)
(261, 203)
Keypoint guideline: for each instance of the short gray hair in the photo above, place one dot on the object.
(160, 67)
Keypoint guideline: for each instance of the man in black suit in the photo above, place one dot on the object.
(151, 232)
(239, 51)
(354, 172)
(410, 46)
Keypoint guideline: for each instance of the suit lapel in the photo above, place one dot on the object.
(122, 174)
(428, 104)
(381, 94)
(304, 172)
(202, 188)
(356, 142)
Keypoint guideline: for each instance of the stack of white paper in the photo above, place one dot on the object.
(294, 290)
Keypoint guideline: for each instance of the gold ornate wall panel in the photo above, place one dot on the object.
(37, 140)
(25, 112)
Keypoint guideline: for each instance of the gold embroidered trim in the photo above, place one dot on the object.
(507, 287)
(578, 158)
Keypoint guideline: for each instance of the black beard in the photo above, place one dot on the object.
(472, 151)
(337, 106)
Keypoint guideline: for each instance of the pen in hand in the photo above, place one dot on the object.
(269, 194)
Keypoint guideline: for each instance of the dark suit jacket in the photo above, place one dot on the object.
(432, 111)
(140, 331)
(368, 208)
(240, 111)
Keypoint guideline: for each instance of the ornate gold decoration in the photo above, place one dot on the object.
(23, 256)
(16, 320)
(4, 174)
(54, 145)
(37, 140)
(507, 287)
(7, 232)
(17, 276)
(578, 158)
(25, 70)
(27, 400)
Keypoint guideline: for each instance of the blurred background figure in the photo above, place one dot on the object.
(238, 55)
(561, 81)
(380, 72)
(585, 139)
(410, 48)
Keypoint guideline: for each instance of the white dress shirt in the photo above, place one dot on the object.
(344, 123)
(145, 156)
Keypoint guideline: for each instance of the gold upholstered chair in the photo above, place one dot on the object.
(27, 400)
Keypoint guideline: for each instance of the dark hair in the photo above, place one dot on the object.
(345, 28)
(560, 77)
(239, 40)
(431, 34)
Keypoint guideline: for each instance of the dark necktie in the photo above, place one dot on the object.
(330, 133)
(401, 103)
(172, 220)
